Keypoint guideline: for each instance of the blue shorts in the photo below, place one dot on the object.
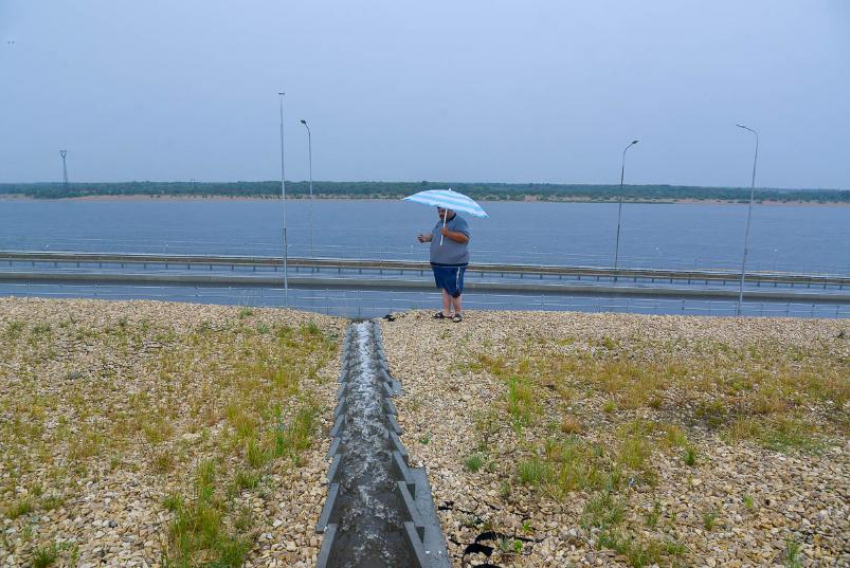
(449, 278)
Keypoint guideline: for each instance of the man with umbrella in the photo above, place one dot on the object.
(449, 240)
(449, 257)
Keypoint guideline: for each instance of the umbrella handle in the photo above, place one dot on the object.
(445, 214)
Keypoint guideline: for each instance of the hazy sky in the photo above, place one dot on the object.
(471, 90)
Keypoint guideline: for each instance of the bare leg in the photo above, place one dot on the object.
(447, 303)
(456, 302)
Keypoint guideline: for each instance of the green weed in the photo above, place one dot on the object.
(52, 502)
(312, 329)
(172, 502)
(712, 412)
(522, 402)
(791, 556)
(473, 463)
(256, 454)
(690, 457)
(638, 552)
(199, 528)
(244, 520)
(634, 453)
(44, 557)
(709, 519)
(15, 329)
(782, 435)
(602, 511)
(41, 329)
(162, 462)
(653, 516)
(244, 481)
(292, 441)
(20, 508)
(533, 472)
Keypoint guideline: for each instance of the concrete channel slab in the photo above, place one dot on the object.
(327, 544)
(379, 511)
(330, 502)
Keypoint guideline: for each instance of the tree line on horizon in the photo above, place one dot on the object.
(397, 190)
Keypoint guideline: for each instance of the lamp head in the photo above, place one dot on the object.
(304, 122)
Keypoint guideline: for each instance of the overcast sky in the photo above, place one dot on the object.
(471, 90)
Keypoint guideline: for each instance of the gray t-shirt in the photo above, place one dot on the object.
(450, 252)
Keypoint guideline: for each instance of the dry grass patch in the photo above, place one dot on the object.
(718, 385)
(608, 416)
(203, 410)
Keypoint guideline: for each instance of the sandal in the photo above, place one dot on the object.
(457, 318)
(439, 316)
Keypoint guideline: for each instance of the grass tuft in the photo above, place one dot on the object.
(15, 329)
(690, 457)
(603, 511)
(44, 557)
(521, 401)
(20, 508)
(292, 441)
(653, 516)
(473, 463)
(638, 552)
(199, 528)
(246, 481)
(791, 555)
(784, 435)
(52, 502)
(709, 519)
(256, 454)
(533, 472)
(571, 425)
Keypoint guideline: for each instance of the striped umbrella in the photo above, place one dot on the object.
(448, 199)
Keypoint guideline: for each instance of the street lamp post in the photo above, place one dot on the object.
(749, 215)
(310, 163)
(283, 195)
(620, 207)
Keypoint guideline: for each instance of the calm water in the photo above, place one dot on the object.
(788, 238)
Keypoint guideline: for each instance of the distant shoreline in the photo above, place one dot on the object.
(185, 198)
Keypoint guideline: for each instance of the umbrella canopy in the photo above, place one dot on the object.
(448, 199)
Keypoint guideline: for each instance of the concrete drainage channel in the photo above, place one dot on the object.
(379, 512)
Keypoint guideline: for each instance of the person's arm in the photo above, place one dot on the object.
(456, 236)
(425, 237)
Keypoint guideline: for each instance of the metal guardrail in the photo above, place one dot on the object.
(402, 266)
(419, 284)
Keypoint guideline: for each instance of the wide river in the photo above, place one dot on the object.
(782, 238)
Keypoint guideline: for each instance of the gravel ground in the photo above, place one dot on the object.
(109, 408)
(674, 441)
(753, 493)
